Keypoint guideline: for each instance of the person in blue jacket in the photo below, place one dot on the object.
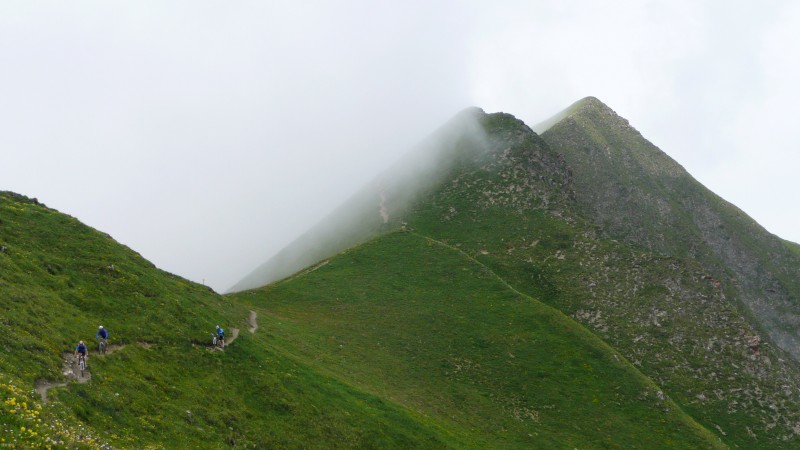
(221, 336)
(102, 335)
(81, 350)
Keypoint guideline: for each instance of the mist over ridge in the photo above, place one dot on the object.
(376, 206)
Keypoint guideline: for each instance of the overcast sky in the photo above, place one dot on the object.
(207, 135)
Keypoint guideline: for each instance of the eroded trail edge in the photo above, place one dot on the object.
(252, 321)
(234, 335)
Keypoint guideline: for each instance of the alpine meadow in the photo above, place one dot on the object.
(571, 287)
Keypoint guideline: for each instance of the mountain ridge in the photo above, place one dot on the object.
(596, 221)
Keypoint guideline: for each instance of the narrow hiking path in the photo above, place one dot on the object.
(234, 335)
(112, 348)
(252, 321)
(71, 371)
(252, 327)
(42, 386)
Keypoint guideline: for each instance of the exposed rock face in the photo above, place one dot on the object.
(641, 196)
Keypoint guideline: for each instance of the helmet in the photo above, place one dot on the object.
(81, 342)
(101, 327)
(218, 327)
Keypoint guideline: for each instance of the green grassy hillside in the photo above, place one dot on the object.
(421, 323)
(161, 387)
(593, 220)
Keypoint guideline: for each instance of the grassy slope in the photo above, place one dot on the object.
(793, 247)
(545, 219)
(513, 206)
(665, 314)
(421, 323)
(56, 287)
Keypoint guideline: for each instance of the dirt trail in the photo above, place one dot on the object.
(234, 335)
(42, 386)
(112, 348)
(69, 368)
(252, 321)
(253, 326)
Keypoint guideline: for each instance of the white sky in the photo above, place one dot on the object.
(207, 135)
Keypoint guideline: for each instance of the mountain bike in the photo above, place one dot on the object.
(103, 346)
(82, 363)
(216, 341)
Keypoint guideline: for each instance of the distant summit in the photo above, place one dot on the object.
(640, 195)
(583, 105)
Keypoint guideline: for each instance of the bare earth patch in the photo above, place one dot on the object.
(234, 335)
(251, 320)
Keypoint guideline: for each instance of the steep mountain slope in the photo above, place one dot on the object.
(639, 195)
(548, 223)
(161, 386)
(668, 315)
(424, 324)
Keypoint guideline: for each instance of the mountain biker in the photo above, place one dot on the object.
(221, 336)
(102, 335)
(82, 350)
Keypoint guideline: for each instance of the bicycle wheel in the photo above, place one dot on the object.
(103, 346)
(82, 365)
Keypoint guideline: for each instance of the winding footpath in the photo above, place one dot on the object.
(251, 321)
(69, 366)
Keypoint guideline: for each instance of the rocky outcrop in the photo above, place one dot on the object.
(641, 196)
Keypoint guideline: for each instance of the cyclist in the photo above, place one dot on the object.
(102, 336)
(221, 336)
(81, 351)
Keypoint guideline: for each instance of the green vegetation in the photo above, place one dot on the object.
(161, 386)
(595, 221)
(421, 323)
(574, 290)
(793, 247)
